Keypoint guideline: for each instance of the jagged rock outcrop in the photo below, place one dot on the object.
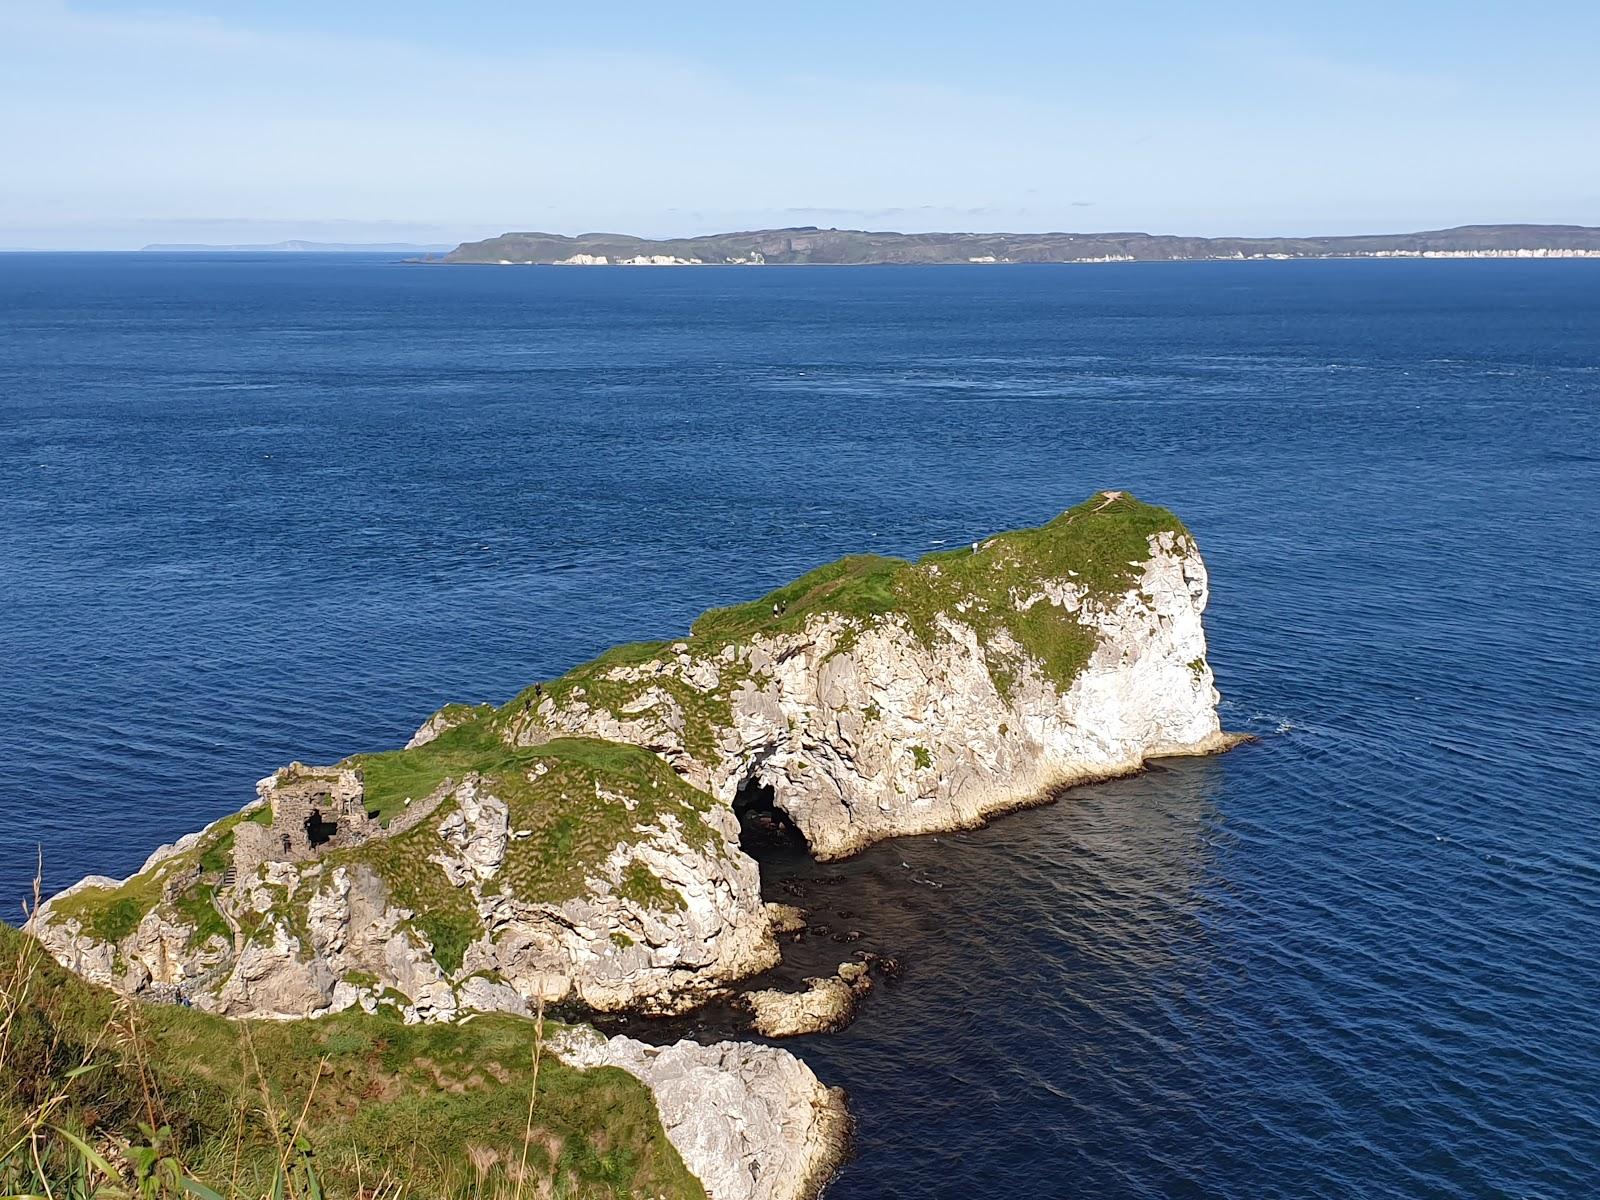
(581, 842)
(825, 1004)
(751, 1122)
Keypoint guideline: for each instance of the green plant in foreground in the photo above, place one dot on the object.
(103, 1097)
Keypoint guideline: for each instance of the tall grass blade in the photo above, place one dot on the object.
(88, 1153)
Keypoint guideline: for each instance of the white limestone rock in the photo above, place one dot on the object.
(824, 1005)
(751, 1122)
(863, 727)
(870, 733)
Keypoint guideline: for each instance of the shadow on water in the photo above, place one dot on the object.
(1025, 947)
(941, 917)
(943, 905)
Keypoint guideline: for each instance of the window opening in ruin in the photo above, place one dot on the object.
(319, 831)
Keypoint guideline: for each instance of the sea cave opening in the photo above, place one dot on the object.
(318, 831)
(766, 833)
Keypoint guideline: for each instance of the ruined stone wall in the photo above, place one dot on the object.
(314, 809)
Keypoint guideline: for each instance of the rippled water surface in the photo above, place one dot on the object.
(274, 508)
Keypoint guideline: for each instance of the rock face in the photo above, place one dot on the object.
(583, 842)
(436, 926)
(751, 1122)
(863, 734)
(586, 840)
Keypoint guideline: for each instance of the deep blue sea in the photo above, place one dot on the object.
(263, 508)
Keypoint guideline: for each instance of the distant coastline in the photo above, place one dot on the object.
(811, 245)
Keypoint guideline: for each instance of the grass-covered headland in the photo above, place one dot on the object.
(104, 1095)
(573, 800)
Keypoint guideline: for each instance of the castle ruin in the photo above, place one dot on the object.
(314, 809)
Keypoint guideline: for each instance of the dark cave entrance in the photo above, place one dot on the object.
(318, 831)
(766, 832)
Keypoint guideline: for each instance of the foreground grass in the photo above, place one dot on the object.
(347, 1106)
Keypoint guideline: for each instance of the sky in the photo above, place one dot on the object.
(352, 120)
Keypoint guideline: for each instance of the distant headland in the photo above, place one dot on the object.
(809, 244)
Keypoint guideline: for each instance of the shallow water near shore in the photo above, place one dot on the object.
(269, 508)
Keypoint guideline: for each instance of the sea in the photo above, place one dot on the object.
(263, 508)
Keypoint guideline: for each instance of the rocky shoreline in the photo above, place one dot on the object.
(593, 843)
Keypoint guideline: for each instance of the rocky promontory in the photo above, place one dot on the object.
(584, 842)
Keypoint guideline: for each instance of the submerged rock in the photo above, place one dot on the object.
(827, 1003)
(786, 918)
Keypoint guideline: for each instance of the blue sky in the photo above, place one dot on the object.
(190, 120)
